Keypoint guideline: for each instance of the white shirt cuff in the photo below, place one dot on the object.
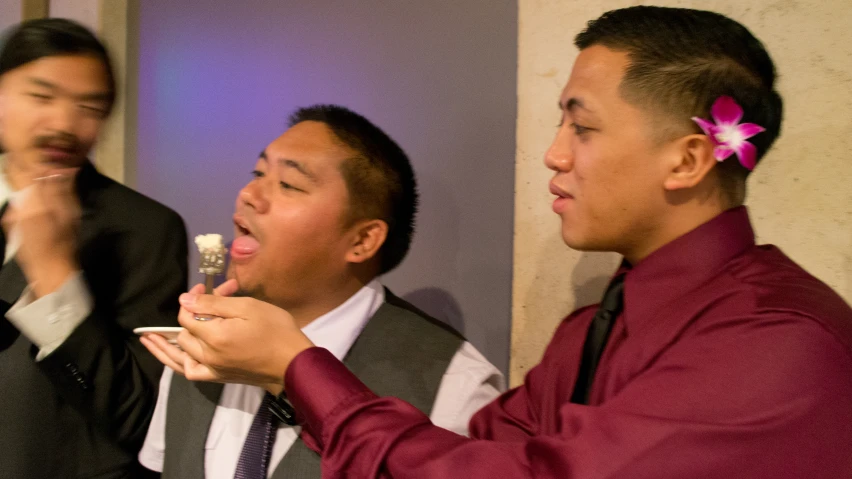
(48, 321)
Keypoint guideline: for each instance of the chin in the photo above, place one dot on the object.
(244, 284)
(572, 240)
(579, 243)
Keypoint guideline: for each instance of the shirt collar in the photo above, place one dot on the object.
(681, 265)
(338, 329)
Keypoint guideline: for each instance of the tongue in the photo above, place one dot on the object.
(245, 245)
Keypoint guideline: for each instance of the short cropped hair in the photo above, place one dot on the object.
(682, 60)
(379, 177)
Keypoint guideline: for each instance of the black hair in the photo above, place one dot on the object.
(379, 178)
(682, 60)
(47, 37)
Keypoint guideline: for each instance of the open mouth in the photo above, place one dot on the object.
(242, 230)
(245, 245)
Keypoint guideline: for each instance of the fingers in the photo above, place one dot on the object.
(162, 350)
(228, 288)
(56, 184)
(188, 316)
(56, 190)
(187, 319)
(176, 359)
(196, 371)
(190, 345)
(221, 306)
(193, 353)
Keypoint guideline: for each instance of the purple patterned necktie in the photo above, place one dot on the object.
(254, 459)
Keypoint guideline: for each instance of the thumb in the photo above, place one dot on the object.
(228, 288)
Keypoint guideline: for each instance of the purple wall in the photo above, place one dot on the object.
(217, 83)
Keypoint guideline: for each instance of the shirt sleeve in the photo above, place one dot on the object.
(153, 450)
(469, 383)
(698, 411)
(48, 321)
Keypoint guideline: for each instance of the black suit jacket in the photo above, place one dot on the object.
(83, 411)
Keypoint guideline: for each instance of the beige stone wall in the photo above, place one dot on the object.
(10, 13)
(83, 11)
(800, 200)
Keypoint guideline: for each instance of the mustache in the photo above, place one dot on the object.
(63, 141)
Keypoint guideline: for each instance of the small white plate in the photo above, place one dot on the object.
(170, 333)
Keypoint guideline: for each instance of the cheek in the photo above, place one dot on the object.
(606, 185)
(89, 130)
(16, 122)
(303, 227)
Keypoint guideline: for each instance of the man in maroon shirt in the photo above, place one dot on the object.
(709, 357)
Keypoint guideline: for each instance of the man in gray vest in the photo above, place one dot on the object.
(330, 207)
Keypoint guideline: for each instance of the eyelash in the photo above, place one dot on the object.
(93, 110)
(284, 185)
(578, 129)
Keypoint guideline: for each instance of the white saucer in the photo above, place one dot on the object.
(170, 333)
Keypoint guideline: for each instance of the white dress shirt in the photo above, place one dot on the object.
(48, 321)
(469, 383)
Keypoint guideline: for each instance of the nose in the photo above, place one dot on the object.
(255, 195)
(64, 117)
(560, 156)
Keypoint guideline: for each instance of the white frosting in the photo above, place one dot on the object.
(209, 242)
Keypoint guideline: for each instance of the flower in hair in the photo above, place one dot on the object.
(728, 134)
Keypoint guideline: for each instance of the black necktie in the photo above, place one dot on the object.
(596, 338)
(254, 458)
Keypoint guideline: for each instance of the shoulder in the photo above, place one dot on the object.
(471, 363)
(771, 285)
(123, 208)
(137, 203)
(404, 312)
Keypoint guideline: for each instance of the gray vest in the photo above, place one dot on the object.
(401, 352)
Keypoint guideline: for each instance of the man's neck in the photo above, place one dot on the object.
(311, 308)
(682, 220)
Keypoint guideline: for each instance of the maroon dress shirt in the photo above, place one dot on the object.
(729, 361)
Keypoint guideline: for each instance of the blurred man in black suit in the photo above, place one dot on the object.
(86, 260)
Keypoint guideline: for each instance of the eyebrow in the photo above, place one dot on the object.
(97, 96)
(288, 163)
(572, 104)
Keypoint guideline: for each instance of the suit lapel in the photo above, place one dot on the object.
(88, 181)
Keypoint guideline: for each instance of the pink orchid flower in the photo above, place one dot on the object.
(728, 134)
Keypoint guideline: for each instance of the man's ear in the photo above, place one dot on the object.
(368, 236)
(690, 161)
